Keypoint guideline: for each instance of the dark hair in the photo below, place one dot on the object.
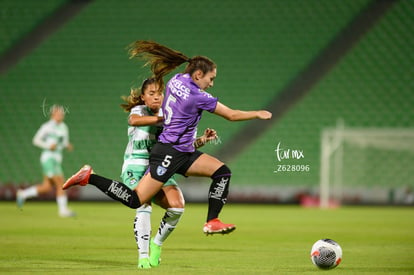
(134, 97)
(163, 60)
(202, 63)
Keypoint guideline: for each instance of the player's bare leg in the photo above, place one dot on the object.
(61, 197)
(33, 191)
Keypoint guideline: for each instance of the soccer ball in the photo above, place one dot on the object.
(326, 254)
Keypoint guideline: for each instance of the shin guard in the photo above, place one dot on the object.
(168, 223)
(116, 190)
(219, 189)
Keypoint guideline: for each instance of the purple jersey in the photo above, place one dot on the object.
(182, 107)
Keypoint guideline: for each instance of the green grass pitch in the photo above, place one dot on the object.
(269, 239)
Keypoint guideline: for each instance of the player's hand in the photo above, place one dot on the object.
(209, 134)
(69, 147)
(262, 114)
(53, 147)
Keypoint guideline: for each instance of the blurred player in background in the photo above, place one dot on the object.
(52, 137)
(175, 151)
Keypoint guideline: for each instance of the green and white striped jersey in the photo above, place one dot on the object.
(51, 133)
(141, 138)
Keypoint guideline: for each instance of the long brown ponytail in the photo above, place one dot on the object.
(163, 60)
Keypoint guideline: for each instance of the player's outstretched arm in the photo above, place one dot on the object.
(137, 120)
(238, 115)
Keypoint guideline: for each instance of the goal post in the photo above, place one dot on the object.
(366, 165)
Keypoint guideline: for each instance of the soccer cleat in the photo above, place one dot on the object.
(144, 263)
(215, 226)
(20, 199)
(67, 213)
(80, 178)
(155, 254)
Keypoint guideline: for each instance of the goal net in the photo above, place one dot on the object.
(367, 165)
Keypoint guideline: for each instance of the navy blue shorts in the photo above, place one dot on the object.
(165, 161)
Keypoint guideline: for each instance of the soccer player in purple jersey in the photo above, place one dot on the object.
(185, 100)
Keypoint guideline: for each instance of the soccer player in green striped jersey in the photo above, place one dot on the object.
(52, 137)
(144, 126)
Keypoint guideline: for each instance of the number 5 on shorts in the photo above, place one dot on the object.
(167, 161)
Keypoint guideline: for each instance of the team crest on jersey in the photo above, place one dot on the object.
(161, 170)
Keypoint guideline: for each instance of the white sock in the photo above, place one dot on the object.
(62, 202)
(30, 192)
(142, 230)
(168, 223)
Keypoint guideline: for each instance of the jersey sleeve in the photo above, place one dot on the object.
(66, 136)
(207, 102)
(138, 110)
(38, 139)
